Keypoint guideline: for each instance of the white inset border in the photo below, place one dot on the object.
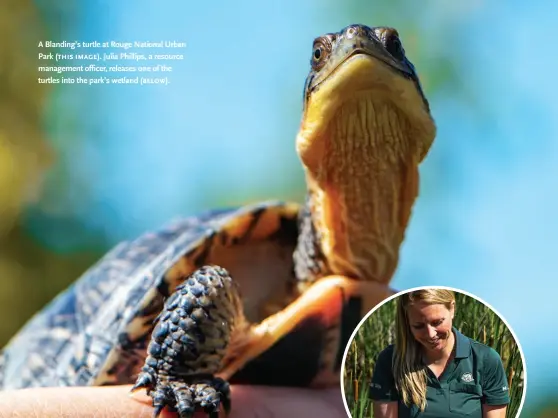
(378, 306)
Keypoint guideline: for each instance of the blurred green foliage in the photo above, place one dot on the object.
(30, 274)
(24, 152)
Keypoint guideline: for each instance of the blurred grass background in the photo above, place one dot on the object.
(472, 318)
(82, 168)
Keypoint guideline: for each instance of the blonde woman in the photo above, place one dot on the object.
(434, 371)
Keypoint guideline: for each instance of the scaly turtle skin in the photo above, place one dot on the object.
(162, 312)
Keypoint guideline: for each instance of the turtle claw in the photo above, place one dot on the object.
(210, 395)
(145, 381)
(157, 410)
(203, 393)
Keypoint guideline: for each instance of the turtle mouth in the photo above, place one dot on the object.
(365, 53)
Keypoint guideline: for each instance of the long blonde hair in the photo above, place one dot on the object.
(409, 370)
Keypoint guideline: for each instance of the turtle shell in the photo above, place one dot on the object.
(96, 332)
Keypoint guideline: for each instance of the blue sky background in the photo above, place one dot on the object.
(222, 133)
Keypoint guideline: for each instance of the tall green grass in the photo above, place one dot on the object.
(472, 318)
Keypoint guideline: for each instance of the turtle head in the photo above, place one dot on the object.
(357, 74)
(365, 128)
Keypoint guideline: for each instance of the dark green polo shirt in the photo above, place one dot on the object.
(475, 376)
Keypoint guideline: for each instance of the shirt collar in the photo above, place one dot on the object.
(462, 344)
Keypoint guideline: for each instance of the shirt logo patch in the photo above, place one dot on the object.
(467, 377)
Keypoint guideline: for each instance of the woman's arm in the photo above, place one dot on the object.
(492, 411)
(389, 410)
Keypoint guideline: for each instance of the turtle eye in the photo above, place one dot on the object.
(317, 53)
(320, 52)
(351, 32)
(393, 45)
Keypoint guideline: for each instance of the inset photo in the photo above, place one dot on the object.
(433, 352)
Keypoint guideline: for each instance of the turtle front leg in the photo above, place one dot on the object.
(189, 343)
